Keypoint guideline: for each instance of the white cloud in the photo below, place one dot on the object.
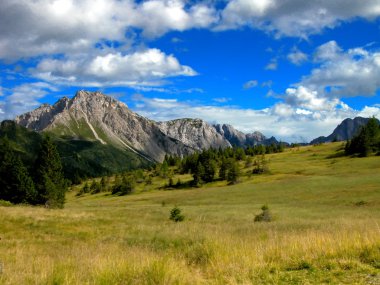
(355, 72)
(297, 57)
(295, 17)
(24, 98)
(40, 27)
(285, 122)
(370, 112)
(250, 84)
(309, 99)
(272, 65)
(145, 67)
(156, 17)
(222, 99)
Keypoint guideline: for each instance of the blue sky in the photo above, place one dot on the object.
(288, 68)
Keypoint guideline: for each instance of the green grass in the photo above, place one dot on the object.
(326, 230)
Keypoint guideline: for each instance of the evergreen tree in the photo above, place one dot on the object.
(233, 171)
(16, 185)
(95, 187)
(50, 182)
(126, 186)
(103, 184)
(366, 141)
(198, 174)
(223, 169)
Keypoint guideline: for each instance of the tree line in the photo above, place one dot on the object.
(43, 184)
(219, 164)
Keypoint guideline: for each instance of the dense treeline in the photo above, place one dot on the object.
(206, 166)
(44, 184)
(80, 159)
(367, 141)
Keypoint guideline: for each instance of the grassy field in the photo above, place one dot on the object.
(326, 230)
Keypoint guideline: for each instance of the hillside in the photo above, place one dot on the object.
(80, 158)
(325, 229)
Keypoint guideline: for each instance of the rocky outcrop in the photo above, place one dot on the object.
(95, 116)
(239, 139)
(346, 130)
(195, 133)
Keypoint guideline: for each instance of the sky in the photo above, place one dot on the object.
(292, 69)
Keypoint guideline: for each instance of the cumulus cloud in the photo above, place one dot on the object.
(250, 84)
(309, 99)
(295, 17)
(297, 57)
(32, 28)
(282, 120)
(355, 72)
(146, 67)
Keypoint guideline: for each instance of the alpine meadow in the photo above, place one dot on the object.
(177, 142)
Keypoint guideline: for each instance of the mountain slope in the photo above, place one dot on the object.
(79, 158)
(195, 133)
(344, 131)
(239, 139)
(94, 116)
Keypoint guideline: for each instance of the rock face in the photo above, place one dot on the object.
(95, 116)
(344, 131)
(238, 138)
(195, 133)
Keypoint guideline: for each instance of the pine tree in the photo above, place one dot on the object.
(103, 185)
(50, 181)
(16, 185)
(233, 171)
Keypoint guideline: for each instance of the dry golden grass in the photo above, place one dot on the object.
(326, 230)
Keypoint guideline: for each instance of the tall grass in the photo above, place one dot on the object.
(325, 231)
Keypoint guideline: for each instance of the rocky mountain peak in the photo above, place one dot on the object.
(195, 133)
(344, 131)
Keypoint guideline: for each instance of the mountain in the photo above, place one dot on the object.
(79, 158)
(238, 138)
(344, 131)
(93, 116)
(92, 119)
(195, 133)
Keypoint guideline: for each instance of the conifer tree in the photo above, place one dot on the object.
(16, 185)
(50, 181)
(233, 171)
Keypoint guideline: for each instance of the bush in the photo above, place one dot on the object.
(264, 216)
(175, 215)
(4, 203)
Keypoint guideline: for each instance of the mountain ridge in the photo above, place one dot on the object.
(346, 130)
(94, 116)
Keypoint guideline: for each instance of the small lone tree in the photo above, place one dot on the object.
(175, 215)
(264, 216)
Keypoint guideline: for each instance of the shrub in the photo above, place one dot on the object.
(4, 203)
(264, 216)
(175, 215)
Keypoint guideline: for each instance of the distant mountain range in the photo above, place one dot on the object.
(97, 134)
(93, 116)
(344, 131)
